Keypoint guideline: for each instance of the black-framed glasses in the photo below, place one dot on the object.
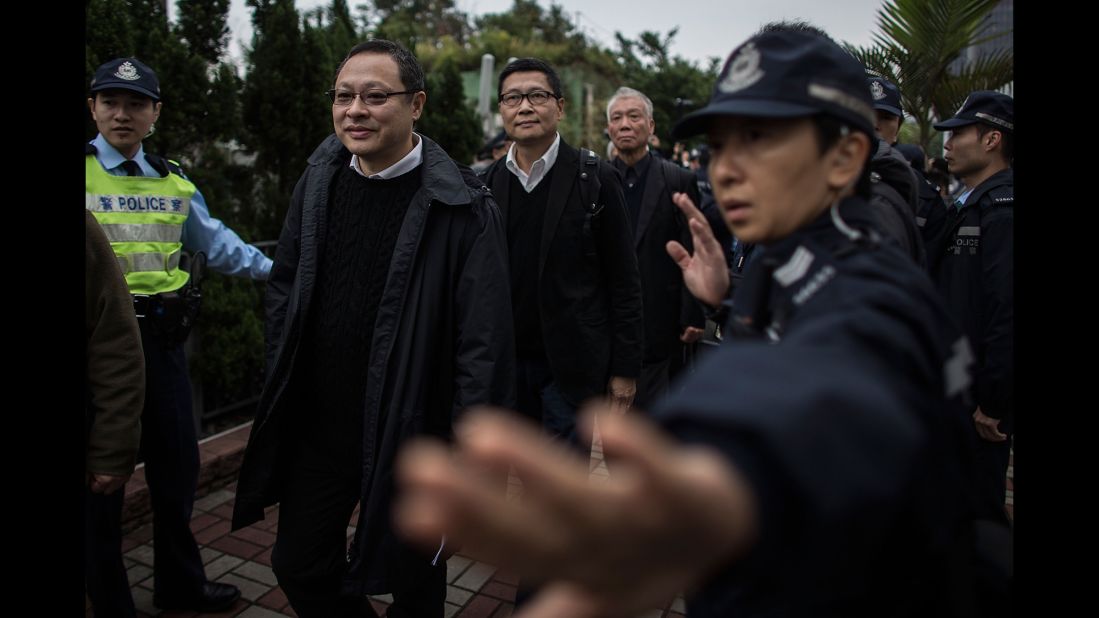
(374, 98)
(536, 98)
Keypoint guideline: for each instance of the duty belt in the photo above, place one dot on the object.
(143, 304)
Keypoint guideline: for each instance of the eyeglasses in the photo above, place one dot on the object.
(374, 98)
(536, 98)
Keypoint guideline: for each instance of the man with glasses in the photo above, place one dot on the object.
(387, 314)
(575, 287)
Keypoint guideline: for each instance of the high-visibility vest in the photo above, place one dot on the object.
(143, 218)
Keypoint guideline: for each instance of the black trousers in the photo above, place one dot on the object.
(169, 447)
(104, 574)
(652, 384)
(320, 489)
(991, 459)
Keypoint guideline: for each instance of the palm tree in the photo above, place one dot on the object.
(917, 42)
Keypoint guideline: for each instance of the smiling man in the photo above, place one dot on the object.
(387, 314)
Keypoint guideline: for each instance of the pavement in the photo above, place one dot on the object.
(243, 558)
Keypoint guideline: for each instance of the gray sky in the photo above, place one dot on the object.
(706, 27)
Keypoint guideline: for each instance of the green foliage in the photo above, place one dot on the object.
(284, 108)
(448, 119)
(202, 23)
(919, 40)
(675, 85)
(230, 359)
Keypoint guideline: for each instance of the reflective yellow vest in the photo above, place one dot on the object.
(143, 218)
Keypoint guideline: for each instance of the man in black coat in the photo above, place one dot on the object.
(387, 314)
(974, 270)
(673, 318)
(576, 291)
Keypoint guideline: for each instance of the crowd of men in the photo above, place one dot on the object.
(429, 328)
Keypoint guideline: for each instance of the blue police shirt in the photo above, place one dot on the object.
(225, 252)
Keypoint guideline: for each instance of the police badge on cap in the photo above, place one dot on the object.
(994, 108)
(787, 74)
(743, 70)
(126, 74)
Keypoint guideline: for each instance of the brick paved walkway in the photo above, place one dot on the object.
(243, 558)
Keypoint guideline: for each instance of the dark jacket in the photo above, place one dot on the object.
(930, 216)
(842, 405)
(442, 340)
(114, 359)
(668, 306)
(975, 273)
(895, 200)
(589, 289)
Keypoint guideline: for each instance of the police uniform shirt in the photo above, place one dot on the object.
(225, 252)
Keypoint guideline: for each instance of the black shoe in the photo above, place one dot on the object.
(215, 597)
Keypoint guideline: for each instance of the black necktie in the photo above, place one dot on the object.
(131, 168)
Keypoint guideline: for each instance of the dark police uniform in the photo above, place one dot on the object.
(842, 396)
(974, 271)
(975, 276)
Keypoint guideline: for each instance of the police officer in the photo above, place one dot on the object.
(975, 270)
(931, 213)
(820, 460)
(894, 188)
(151, 212)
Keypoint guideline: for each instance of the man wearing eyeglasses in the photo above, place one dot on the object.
(575, 287)
(388, 313)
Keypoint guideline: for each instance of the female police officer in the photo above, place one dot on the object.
(820, 458)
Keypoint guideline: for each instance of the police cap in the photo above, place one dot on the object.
(886, 95)
(913, 154)
(787, 74)
(126, 74)
(992, 108)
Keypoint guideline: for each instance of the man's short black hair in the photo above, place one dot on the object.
(408, 67)
(531, 64)
(1007, 139)
(793, 25)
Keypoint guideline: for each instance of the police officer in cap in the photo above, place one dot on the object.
(151, 213)
(894, 192)
(819, 461)
(974, 271)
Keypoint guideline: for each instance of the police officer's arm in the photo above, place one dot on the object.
(705, 272)
(225, 252)
(115, 365)
(995, 378)
(619, 261)
(283, 273)
(484, 363)
(664, 520)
